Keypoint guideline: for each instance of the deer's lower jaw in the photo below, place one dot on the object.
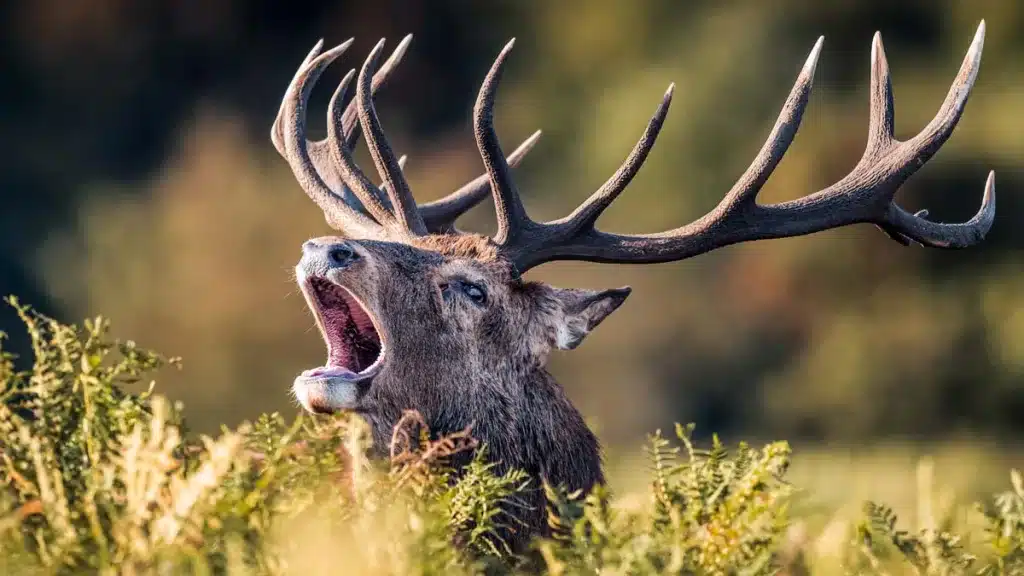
(355, 349)
(327, 392)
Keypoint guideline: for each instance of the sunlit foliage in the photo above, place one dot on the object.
(94, 479)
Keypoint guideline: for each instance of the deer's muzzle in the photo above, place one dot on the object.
(355, 349)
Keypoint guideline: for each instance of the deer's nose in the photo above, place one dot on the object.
(341, 255)
(337, 255)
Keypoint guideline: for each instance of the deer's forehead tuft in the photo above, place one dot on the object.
(465, 246)
(492, 272)
(463, 269)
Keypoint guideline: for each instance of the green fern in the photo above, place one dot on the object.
(96, 480)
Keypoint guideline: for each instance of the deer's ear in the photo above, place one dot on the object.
(582, 311)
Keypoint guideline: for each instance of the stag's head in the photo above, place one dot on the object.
(419, 314)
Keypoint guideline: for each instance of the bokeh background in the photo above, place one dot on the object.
(139, 182)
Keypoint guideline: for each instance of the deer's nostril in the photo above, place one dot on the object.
(341, 255)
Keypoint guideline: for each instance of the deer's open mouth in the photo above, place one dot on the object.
(354, 345)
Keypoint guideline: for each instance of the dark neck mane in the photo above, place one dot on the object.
(539, 432)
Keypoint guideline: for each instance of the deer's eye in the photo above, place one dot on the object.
(473, 292)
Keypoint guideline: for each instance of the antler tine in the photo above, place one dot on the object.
(277, 128)
(354, 178)
(881, 115)
(935, 134)
(512, 218)
(746, 189)
(402, 200)
(351, 118)
(440, 215)
(865, 195)
(591, 209)
(294, 143)
(944, 235)
(402, 160)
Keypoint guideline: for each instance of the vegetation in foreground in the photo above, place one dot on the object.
(98, 480)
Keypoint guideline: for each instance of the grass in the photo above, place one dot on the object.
(96, 480)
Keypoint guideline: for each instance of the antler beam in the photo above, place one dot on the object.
(865, 195)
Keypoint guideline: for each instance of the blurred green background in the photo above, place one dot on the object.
(139, 182)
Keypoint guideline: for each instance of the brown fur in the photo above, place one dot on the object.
(460, 364)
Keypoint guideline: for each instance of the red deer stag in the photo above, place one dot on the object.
(417, 314)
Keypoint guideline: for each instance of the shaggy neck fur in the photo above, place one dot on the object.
(536, 429)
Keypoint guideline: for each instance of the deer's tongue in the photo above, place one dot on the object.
(341, 373)
(330, 372)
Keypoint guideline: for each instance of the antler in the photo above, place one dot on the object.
(326, 171)
(865, 195)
